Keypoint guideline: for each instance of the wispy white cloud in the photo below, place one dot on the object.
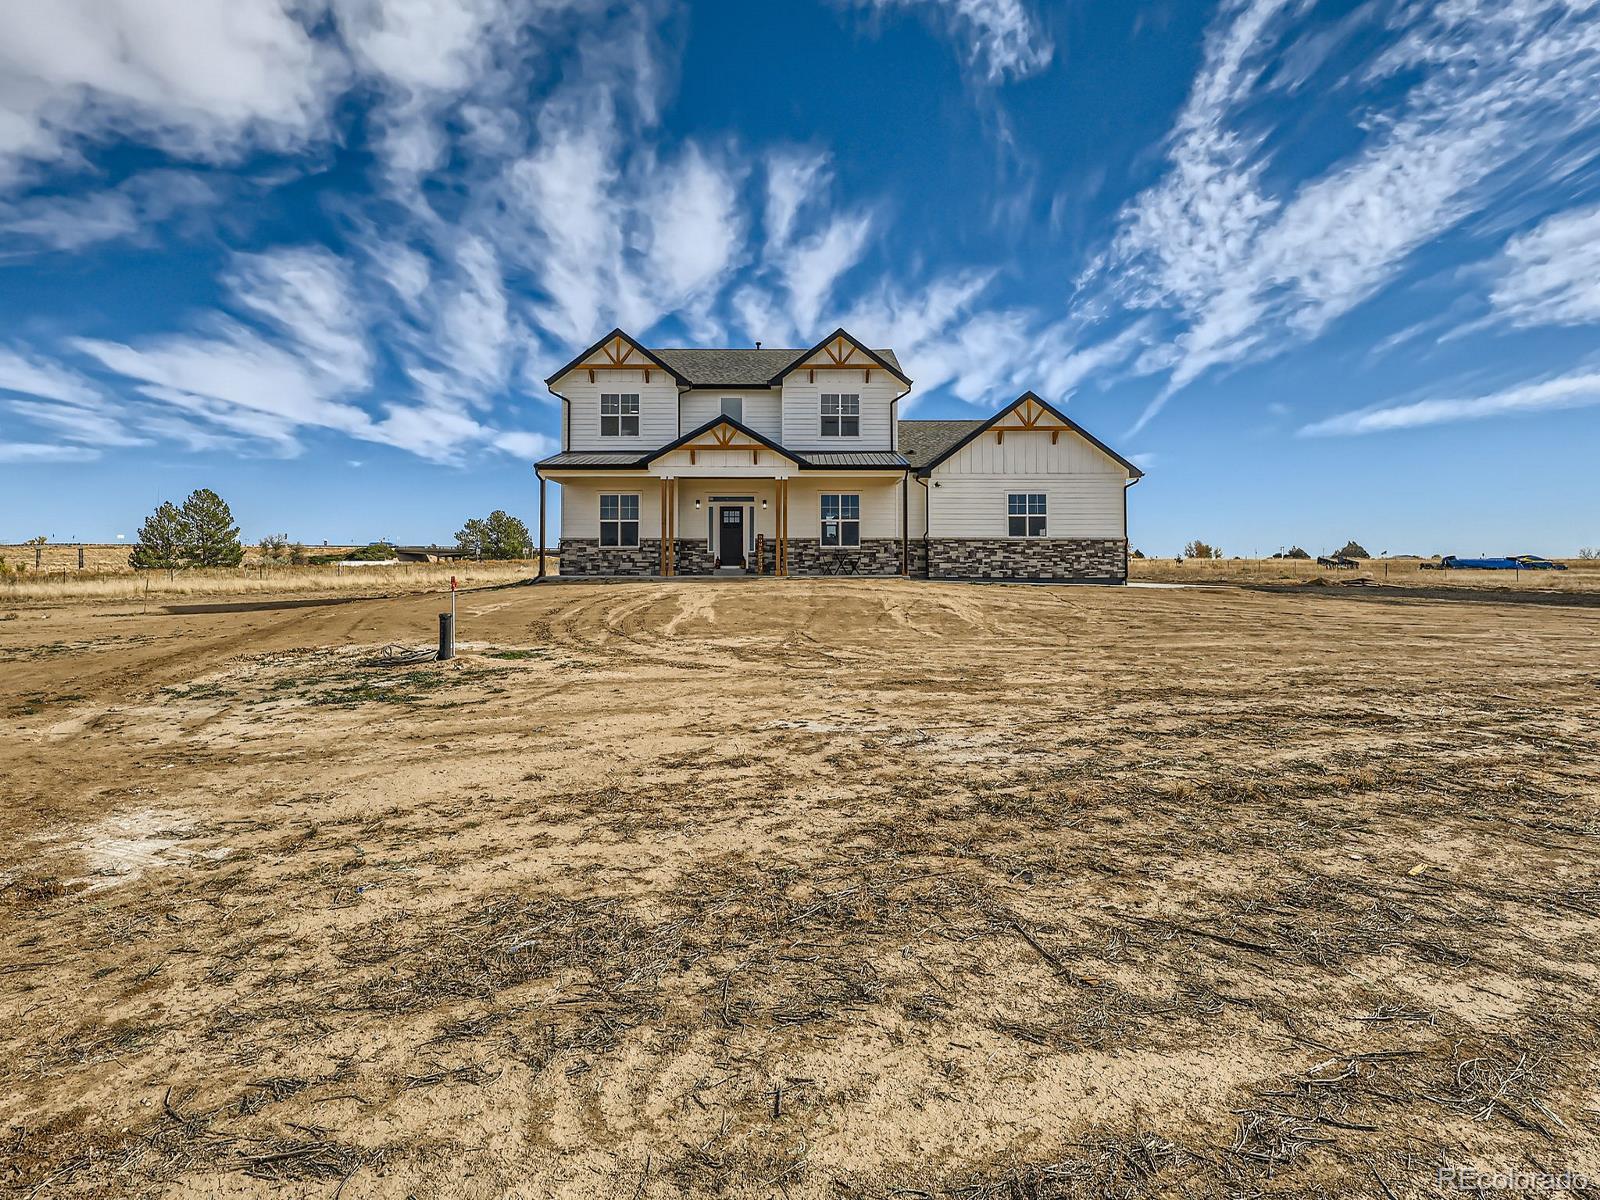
(794, 180)
(1000, 39)
(199, 79)
(811, 267)
(1551, 275)
(1579, 390)
(135, 209)
(1242, 270)
(45, 452)
(30, 375)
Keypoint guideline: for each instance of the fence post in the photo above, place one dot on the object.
(447, 636)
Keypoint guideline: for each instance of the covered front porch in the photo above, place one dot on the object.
(703, 523)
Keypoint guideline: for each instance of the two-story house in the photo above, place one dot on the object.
(797, 462)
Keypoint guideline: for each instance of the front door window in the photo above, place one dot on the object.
(730, 541)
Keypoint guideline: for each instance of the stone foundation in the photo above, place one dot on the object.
(693, 558)
(586, 556)
(875, 556)
(1068, 560)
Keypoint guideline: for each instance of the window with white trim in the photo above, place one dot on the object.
(733, 406)
(1025, 514)
(619, 414)
(619, 520)
(841, 415)
(841, 520)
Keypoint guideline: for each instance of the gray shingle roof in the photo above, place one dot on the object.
(923, 441)
(738, 368)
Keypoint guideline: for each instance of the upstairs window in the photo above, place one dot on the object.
(619, 520)
(619, 414)
(1025, 514)
(733, 406)
(841, 520)
(841, 415)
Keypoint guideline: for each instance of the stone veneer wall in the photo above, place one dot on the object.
(586, 556)
(692, 557)
(1087, 560)
(875, 556)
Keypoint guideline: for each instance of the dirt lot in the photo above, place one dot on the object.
(812, 889)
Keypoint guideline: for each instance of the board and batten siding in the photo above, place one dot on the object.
(762, 409)
(802, 409)
(1083, 483)
(580, 505)
(658, 408)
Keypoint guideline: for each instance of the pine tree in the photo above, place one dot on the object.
(498, 536)
(213, 537)
(163, 541)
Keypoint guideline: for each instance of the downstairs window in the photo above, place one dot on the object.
(619, 520)
(1025, 514)
(841, 520)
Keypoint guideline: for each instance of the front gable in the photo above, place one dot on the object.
(617, 351)
(1029, 415)
(840, 351)
(721, 443)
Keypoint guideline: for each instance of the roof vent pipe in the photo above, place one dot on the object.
(758, 345)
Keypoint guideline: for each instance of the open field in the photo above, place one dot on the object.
(1581, 575)
(158, 587)
(107, 558)
(813, 889)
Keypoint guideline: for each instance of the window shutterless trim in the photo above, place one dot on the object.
(619, 519)
(845, 417)
(623, 415)
(1027, 514)
(840, 514)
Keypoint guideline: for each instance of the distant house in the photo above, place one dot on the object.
(797, 462)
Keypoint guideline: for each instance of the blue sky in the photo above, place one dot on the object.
(1326, 269)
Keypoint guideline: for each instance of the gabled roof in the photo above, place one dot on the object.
(922, 441)
(730, 368)
(630, 340)
(884, 359)
(978, 427)
(689, 437)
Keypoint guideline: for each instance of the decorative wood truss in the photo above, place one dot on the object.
(723, 437)
(1031, 417)
(839, 353)
(618, 354)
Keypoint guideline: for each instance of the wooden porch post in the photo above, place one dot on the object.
(663, 566)
(541, 524)
(905, 535)
(783, 527)
(672, 527)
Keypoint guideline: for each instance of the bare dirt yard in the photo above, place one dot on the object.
(805, 889)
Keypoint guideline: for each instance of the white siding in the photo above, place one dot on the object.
(580, 505)
(917, 508)
(1084, 486)
(762, 409)
(880, 504)
(742, 459)
(658, 408)
(802, 409)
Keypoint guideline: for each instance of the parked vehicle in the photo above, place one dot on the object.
(1337, 561)
(1520, 562)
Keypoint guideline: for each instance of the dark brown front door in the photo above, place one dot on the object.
(730, 542)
